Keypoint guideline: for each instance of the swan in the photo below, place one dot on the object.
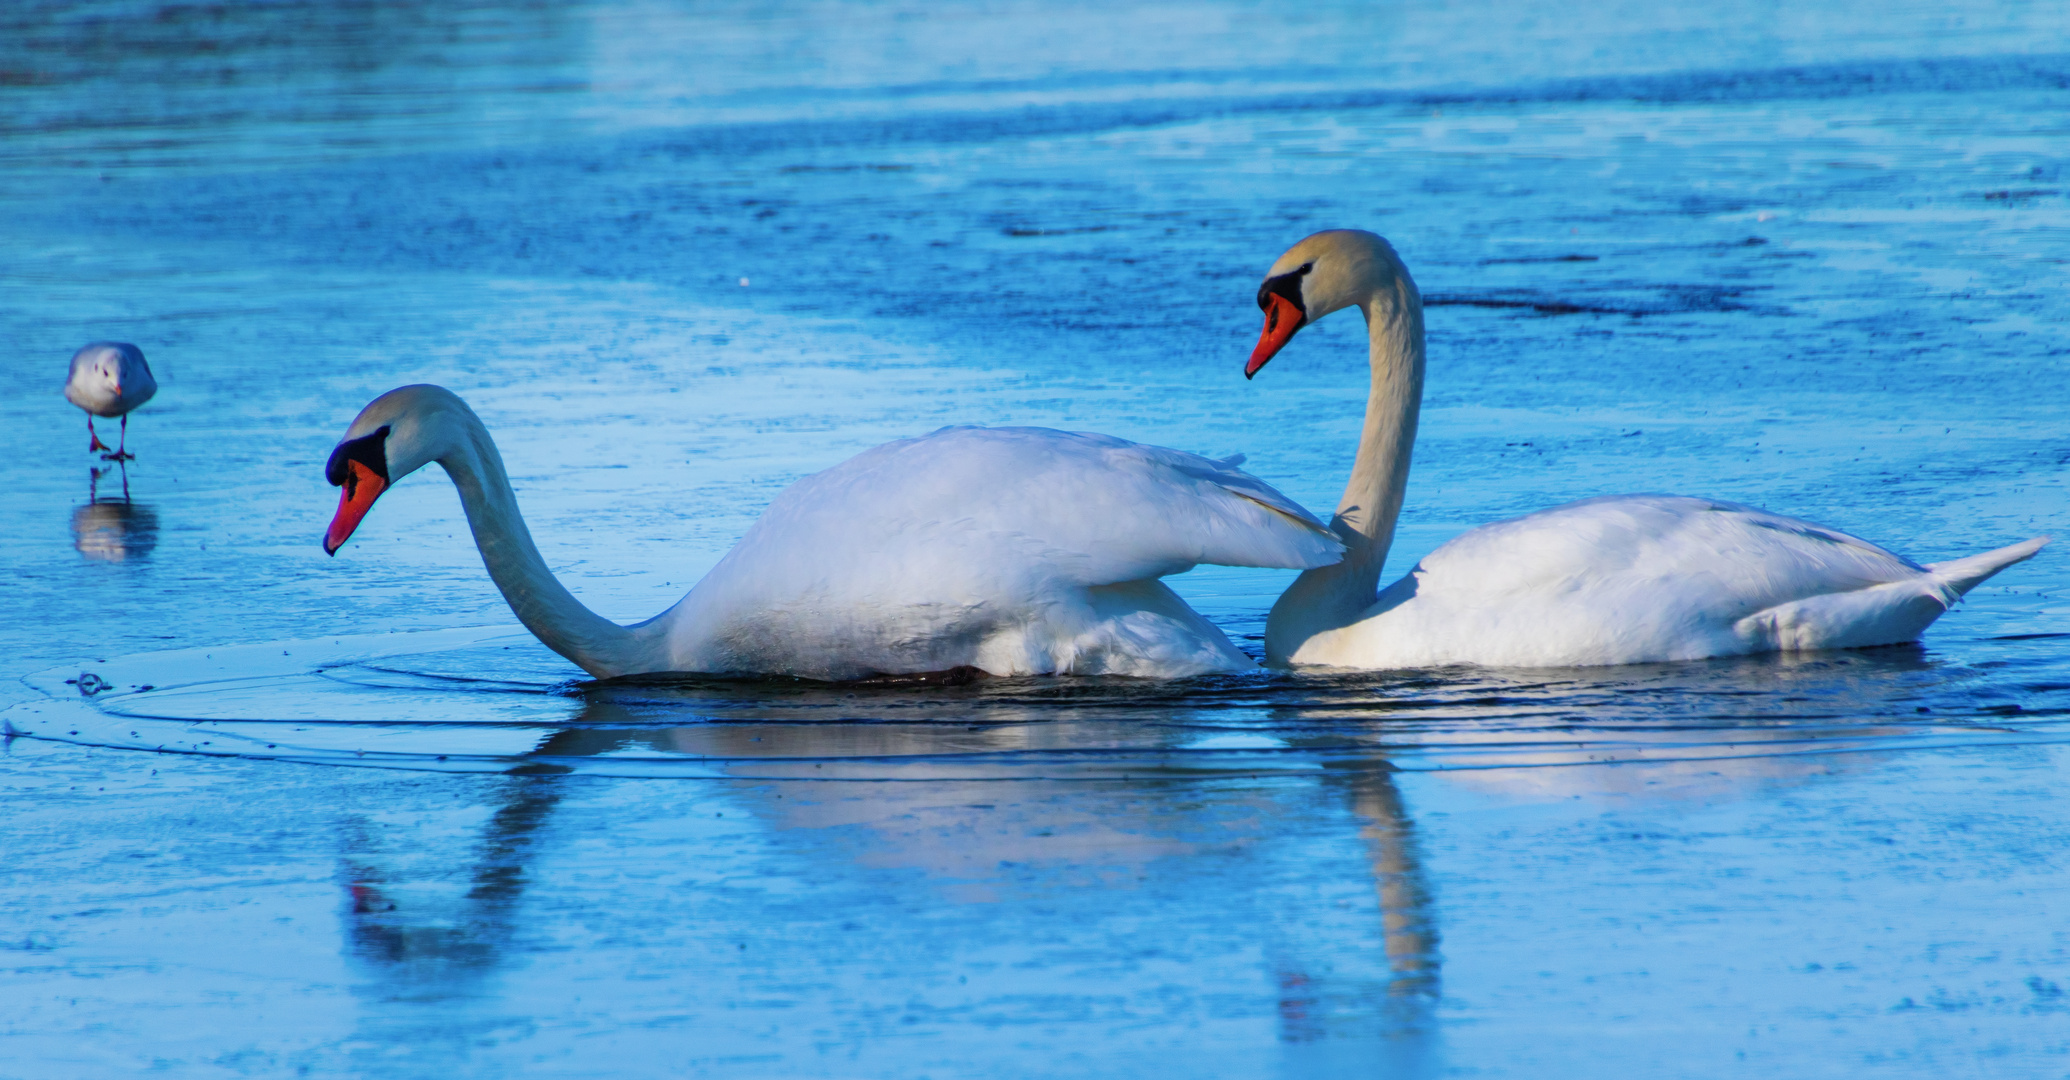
(1614, 580)
(1010, 550)
(109, 378)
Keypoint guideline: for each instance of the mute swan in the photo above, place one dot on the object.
(1014, 551)
(1614, 580)
(109, 378)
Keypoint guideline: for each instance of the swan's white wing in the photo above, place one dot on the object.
(1090, 509)
(1694, 552)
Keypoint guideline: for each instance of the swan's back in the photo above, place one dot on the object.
(1705, 551)
(1091, 508)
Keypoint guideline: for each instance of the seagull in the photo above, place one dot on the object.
(109, 378)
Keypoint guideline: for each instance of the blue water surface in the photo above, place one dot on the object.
(335, 817)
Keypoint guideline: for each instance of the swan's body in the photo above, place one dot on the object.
(1615, 580)
(1634, 578)
(109, 378)
(1010, 550)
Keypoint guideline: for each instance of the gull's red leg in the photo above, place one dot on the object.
(119, 454)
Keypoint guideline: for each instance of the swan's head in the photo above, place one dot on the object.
(397, 433)
(1332, 270)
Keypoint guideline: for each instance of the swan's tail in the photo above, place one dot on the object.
(1962, 575)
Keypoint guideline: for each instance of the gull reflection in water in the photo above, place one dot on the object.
(111, 529)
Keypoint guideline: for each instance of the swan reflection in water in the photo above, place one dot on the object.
(436, 915)
(109, 529)
(1093, 797)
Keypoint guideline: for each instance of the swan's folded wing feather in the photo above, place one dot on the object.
(1675, 551)
(1091, 509)
(1213, 512)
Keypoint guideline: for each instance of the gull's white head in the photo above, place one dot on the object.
(109, 378)
(1327, 272)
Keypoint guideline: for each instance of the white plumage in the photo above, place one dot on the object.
(1013, 550)
(1010, 550)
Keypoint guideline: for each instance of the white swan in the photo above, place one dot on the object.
(109, 378)
(1010, 550)
(1614, 580)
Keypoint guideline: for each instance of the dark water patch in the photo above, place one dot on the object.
(1543, 307)
(1952, 75)
(845, 168)
(1936, 75)
(1678, 301)
(1019, 230)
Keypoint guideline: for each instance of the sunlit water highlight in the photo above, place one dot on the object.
(1806, 259)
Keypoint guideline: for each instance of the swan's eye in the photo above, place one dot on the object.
(369, 450)
(1287, 287)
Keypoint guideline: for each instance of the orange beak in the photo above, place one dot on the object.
(1282, 318)
(355, 498)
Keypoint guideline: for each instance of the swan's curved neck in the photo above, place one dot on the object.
(596, 644)
(1334, 596)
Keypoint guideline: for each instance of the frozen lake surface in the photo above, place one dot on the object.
(336, 817)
